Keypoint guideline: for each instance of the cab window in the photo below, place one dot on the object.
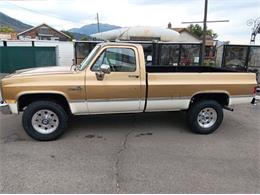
(119, 60)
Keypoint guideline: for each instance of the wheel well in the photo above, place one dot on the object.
(27, 99)
(221, 98)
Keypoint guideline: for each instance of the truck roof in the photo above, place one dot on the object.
(119, 43)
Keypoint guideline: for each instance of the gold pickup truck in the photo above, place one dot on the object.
(115, 78)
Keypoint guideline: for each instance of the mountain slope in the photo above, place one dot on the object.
(77, 36)
(92, 28)
(17, 25)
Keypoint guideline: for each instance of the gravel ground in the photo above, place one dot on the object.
(134, 153)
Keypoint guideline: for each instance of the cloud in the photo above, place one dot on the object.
(156, 2)
(66, 14)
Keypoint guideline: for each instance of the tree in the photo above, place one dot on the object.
(6, 29)
(198, 30)
(84, 38)
(69, 34)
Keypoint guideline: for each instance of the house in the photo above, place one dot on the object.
(7, 33)
(43, 32)
(185, 34)
(8, 36)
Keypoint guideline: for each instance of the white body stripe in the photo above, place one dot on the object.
(127, 106)
(106, 106)
(78, 107)
(115, 106)
(133, 106)
(167, 104)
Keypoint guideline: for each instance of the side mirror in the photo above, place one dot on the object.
(105, 68)
(149, 58)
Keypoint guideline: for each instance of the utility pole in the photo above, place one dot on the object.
(205, 21)
(255, 30)
(203, 49)
(98, 23)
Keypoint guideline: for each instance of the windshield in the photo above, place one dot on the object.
(90, 56)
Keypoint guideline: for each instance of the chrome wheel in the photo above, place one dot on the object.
(207, 117)
(45, 121)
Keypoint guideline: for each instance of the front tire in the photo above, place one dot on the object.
(44, 120)
(205, 116)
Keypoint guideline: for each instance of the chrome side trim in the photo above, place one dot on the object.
(239, 96)
(113, 100)
(79, 100)
(169, 98)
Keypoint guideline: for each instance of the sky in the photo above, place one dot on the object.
(66, 14)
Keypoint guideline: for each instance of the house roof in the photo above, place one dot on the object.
(180, 30)
(43, 24)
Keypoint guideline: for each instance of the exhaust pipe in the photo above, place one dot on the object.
(228, 108)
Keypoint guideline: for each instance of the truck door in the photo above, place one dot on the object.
(118, 90)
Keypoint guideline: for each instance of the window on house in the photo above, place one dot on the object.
(43, 30)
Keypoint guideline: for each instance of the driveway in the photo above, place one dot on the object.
(134, 153)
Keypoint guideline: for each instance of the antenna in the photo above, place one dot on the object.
(98, 23)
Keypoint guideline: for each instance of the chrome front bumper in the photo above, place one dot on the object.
(4, 108)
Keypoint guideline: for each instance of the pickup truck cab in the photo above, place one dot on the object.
(114, 78)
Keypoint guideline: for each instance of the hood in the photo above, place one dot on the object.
(43, 70)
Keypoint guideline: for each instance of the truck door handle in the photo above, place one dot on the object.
(133, 76)
(76, 88)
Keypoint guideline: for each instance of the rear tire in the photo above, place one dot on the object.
(44, 120)
(205, 116)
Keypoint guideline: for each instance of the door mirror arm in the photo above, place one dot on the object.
(100, 75)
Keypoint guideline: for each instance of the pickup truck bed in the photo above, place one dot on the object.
(173, 88)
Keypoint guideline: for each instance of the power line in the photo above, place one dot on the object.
(209, 21)
(205, 21)
(39, 12)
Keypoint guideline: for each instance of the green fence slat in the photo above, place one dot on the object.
(15, 58)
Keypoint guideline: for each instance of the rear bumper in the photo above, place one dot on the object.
(256, 98)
